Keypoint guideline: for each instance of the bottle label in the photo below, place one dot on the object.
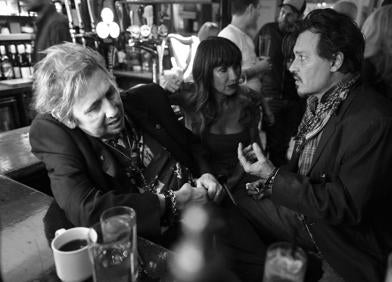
(6, 68)
(25, 72)
(17, 73)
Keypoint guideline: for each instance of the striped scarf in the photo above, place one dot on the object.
(316, 116)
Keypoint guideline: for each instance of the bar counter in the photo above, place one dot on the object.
(24, 250)
(16, 158)
(16, 95)
(25, 254)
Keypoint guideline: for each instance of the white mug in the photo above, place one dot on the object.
(72, 264)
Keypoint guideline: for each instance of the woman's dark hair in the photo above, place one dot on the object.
(338, 33)
(211, 53)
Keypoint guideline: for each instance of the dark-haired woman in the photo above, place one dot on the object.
(218, 109)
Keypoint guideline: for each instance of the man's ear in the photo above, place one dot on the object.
(337, 62)
(250, 8)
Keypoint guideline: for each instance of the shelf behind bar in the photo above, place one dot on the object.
(16, 36)
(135, 74)
(144, 2)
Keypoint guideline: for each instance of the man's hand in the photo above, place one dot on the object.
(254, 162)
(263, 65)
(190, 195)
(213, 187)
(171, 81)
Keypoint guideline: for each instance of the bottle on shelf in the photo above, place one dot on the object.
(14, 60)
(23, 61)
(6, 66)
(29, 52)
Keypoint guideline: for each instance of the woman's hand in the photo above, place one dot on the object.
(171, 80)
(263, 65)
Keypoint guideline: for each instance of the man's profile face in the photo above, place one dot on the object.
(311, 72)
(99, 111)
(287, 18)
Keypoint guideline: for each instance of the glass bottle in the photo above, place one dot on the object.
(6, 66)
(23, 61)
(15, 62)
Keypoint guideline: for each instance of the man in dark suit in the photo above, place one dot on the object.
(335, 194)
(102, 151)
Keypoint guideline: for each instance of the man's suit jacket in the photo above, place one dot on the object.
(346, 197)
(85, 176)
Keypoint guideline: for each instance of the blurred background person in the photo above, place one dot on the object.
(347, 8)
(377, 69)
(278, 84)
(208, 29)
(51, 27)
(386, 2)
(241, 30)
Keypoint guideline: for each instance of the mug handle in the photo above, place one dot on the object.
(59, 232)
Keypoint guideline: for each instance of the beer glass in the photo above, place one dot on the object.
(284, 263)
(113, 246)
(264, 45)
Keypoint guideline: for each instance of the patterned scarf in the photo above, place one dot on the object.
(316, 117)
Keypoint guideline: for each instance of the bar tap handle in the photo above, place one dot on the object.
(80, 20)
(72, 31)
(93, 10)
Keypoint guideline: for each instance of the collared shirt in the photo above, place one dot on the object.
(316, 117)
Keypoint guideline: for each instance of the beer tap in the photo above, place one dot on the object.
(152, 48)
(70, 21)
(81, 23)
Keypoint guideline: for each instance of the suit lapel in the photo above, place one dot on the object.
(330, 127)
(105, 157)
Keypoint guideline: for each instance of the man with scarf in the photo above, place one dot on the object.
(334, 196)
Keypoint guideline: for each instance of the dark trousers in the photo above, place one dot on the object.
(255, 224)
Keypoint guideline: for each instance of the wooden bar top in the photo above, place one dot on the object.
(24, 250)
(16, 158)
(15, 86)
(25, 254)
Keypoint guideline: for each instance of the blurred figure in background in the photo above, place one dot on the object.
(346, 7)
(208, 29)
(278, 85)
(386, 2)
(245, 14)
(377, 69)
(51, 27)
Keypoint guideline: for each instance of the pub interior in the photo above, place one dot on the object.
(145, 42)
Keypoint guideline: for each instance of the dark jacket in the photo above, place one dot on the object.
(373, 77)
(85, 176)
(277, 83)
(346, 197)
(51, 29)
